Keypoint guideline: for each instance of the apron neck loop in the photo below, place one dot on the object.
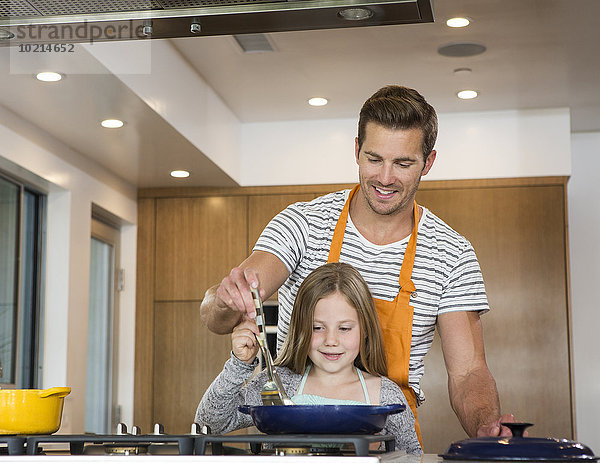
(338, 237)
(338, 234)
(405, 281)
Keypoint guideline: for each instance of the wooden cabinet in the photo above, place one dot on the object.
(187, 357)
(185, 245)
(519, 235)
(144, 315)
(198, 240)
(188, 240)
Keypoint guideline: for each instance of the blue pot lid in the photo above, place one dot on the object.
(519, 448)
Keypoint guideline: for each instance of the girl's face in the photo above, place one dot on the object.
(336, 337)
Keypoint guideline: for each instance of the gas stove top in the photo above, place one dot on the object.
(393, 457)
(197, 445)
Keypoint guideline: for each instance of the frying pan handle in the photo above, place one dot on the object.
(55, 391)
(389, 409)
(244, 409)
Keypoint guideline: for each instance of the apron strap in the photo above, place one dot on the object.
(340, 227)
(405, 281)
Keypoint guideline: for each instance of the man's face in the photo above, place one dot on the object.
(390, 166)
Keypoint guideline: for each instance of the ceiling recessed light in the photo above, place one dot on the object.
(48, 76)
(180, 173)
(458, 22)
(467, 94)
(355, 14)
(112, 123)
(317, 101)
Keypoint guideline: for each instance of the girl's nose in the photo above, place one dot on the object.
(331, 338)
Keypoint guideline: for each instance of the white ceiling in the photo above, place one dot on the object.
(540, 54)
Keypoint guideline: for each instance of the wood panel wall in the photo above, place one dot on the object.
(197, 240)
(143, 404)
(190, 238)
(519, 235)
(184, 351)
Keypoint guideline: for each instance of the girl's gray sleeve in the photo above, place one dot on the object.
(218, 408)
(401, 425)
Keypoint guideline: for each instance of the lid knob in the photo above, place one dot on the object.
(517, 429)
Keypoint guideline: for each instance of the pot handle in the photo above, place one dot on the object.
(55, 391)
(517, 429)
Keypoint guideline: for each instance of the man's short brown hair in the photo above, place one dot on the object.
(396, 107)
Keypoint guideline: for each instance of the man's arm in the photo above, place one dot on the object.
(224, 305)
(472, 389)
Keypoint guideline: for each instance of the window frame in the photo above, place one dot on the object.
(32, 379)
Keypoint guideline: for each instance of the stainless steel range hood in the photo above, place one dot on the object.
(61, 21)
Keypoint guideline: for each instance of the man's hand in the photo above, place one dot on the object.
(230, 302)
(234, 291)
(243, 341)
(495, 428)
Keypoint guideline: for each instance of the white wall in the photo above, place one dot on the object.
(71, 192)
(489, 144)
(191, 106)
(584, 234)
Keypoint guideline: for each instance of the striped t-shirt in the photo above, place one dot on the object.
(446, 272)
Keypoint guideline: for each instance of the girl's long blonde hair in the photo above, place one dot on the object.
(320, 283)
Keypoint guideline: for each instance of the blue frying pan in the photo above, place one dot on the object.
(320, 419)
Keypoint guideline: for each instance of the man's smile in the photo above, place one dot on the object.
(384, 192)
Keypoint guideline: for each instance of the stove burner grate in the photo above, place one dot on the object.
(195, 443)
(15, 445)
(360, 442)
(77, 441)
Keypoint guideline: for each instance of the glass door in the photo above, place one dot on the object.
(102, 319)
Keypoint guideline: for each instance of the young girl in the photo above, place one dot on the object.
(333, 355)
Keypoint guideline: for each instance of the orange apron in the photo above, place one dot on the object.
(395, 316)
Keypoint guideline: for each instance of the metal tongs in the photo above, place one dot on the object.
(273, 392)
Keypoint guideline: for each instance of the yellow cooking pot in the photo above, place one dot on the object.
(31, 411)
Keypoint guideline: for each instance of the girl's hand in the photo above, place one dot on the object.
(243, 342)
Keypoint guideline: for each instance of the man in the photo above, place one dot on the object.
(420, 271)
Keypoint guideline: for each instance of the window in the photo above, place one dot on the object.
(21, 253)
